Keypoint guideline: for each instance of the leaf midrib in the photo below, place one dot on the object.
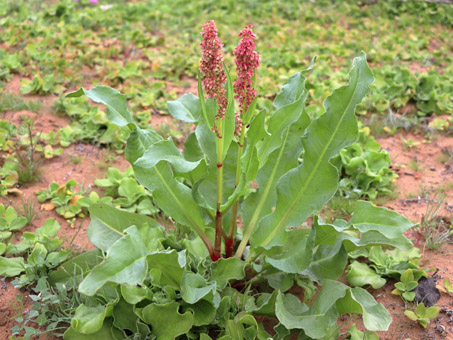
(315, 168)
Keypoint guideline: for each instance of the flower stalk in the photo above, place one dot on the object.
(247, 61)
(214, 79)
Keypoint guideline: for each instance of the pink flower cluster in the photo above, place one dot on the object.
(211, 67)
(247, 60)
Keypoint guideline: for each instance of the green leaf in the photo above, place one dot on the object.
(108, 224)
(295, 87)
(124, 316)
(107, 332)
(401, 286)
(368, 217)
(2, 248)
(411, 285)
(358, 300)
(295, 255)
(359, 275)
(281, 160)
(359, 335)
(194, 287)
(125, 263)
(167, 263)
(407, 276)
(165, 151)
(10, 267)
(138, 142)
(166, 322)
(77, 266)
(334, 298)
(133, 294)
(224, 270)
(308, 187)
(411, 315)
(186, 108)
(117, 111)
(278, 126)
(203, 312)
(49, 228)
(328, 262)
(170, 195)
(409, 296)
(432, 312)
(88, 320)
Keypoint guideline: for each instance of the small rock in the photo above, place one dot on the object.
(427, 292)
(432, 168)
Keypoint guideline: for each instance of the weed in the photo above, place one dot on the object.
(413, 164)
(409, 144)
(53, 307)
(29, 210)
(436, 230)
(28, 163)
(444, 158)
(75, 159)
(384, 198)
(339, 207)
(11, 102)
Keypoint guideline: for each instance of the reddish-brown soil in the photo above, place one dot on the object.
(424, 173)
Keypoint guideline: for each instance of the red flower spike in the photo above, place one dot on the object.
(211, 67)
(247, 60)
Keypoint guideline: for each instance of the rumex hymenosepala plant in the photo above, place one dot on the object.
(245, 191)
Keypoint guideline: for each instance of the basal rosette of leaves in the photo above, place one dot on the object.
(215, 280)
(365, 167)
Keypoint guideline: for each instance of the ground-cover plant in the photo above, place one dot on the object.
(366, 168)
(32, 259)
(126, 192)
(243, 189)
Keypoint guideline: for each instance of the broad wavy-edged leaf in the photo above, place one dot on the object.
(295, 255)
(138, 142)
(294, 88)
(108, 224)
(186, 108)
(194, 288)
(224, 270)
(77, 266)
(281, 160)
(125, 263)
(367, 217)
(203, 312)
(359, 275)
(165, 151)
(334, 299)
(124, 316)
(306, 189)
(328, 262)
(278, 125)
(329, 233)
(172, 197)
(10, 267)
(357, 300)
(117, 111)
(169, 266)
(166, 321)
(88, 319)
(107, 332)
(133, 294)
